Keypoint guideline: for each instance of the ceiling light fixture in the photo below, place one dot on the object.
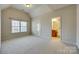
(28, 5)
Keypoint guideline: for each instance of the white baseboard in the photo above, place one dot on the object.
(66, 42)
(77, 45)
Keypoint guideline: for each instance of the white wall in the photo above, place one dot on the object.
(45, 25)
(6, 23)
(0, 28)
(77, 42)
(68, 23)
(68, 19)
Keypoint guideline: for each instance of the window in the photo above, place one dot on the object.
(19, 26)
(23, 26)
(38, 28)
(15, 26)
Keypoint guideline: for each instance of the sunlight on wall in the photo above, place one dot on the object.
(38, 28)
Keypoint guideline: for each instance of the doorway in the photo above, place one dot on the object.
(56, 28)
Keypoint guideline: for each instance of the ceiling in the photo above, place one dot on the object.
(36, 9)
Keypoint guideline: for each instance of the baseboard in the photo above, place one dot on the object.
(77, 46)
(69, 43)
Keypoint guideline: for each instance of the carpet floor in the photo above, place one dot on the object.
(35, 45)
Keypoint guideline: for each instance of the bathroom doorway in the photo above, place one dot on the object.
(56, 28)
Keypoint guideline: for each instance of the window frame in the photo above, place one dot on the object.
(20, 31)
(23, 26)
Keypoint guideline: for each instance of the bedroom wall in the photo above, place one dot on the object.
(6, 23)
(0, 28)
(68, 19)
(77, 42)
(45, 25)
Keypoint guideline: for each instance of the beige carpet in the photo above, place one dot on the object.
(35, 45)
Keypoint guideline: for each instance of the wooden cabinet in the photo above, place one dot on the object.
(54, 33)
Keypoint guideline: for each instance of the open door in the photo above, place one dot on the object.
(56, 28)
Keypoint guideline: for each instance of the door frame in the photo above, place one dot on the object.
(60, 26)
